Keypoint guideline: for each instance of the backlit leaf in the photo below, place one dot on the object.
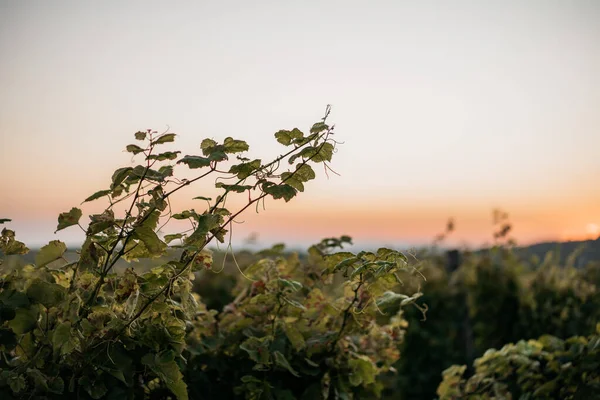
(207, 145)
(150, 239)
(232, 145)
(9, 245)
(319, 127)
(390, 298)
(133, 148)
(233, 188)
(285, 137)
(363, 371)
(165, 367)
(67, 219)
(194, 162)
(139, 135)
(244, 170)
(119, 176)
(50, 252)
(97, 195)
(284, 191)
(170, 238)
(168, 155)
(166, 138)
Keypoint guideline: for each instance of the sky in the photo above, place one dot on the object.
(445, 109)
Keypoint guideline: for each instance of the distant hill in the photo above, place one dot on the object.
(588, 251)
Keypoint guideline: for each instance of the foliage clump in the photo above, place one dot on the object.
(547, 368)
(85, 330)
(495, 297)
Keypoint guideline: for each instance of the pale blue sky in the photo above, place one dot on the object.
(462, 106)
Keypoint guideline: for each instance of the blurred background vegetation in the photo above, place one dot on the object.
(476, 300)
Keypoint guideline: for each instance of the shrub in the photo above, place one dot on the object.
(494, 298)
(547, 368)
(84, 330)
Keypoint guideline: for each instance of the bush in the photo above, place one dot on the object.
(494, 298)
(548, 368)
(84, 329)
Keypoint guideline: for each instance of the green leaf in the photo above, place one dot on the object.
(9, 245)
(194, 162)
(257, 349)
(139, 135)
(133, 148)
(245, 170)
(39, 379)
(185, 215)
(232, 145)
(97, 195)
(293, 303)
(46, 293)
(281, 361)
(151, 220)
(319, 127)
(147, 173)
(168, 155)
(285, 137)
(166, 138)
(289, 284)
(202, 198)
(67, 219)
(61, 339)
(294, 336)
(284, 191)
(324, 153)
(206, 223)
(390, 298)
(320, 153)
(89, 258)
(101, 222)
(170, 238)
(233, 188)
(119, 176)
(25, 320)
(150, 239)
(304, 172)
(345, 263)
(296, 179)
(363, 371)
(207, 145)
(17, 383)
(291, 180)
(3, 220)
(166, 170)
(50, 252)
(165, 367)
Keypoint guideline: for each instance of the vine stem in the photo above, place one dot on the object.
(347, 313)
(151, 300)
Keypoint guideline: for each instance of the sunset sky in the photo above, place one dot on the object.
(446, 109)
